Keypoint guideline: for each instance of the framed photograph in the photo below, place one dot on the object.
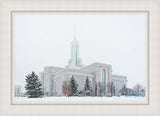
(54, 71)
(83, 57)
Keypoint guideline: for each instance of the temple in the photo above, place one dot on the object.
(53, 77)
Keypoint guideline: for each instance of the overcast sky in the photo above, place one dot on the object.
(45, 40)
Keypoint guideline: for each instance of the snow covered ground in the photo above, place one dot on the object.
(82, 99)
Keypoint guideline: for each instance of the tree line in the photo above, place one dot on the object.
(34, 88)
(70, 88)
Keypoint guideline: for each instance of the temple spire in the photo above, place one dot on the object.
(75, 61)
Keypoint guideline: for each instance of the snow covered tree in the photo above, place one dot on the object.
(87, 88)
(74, 87)
(33, 86)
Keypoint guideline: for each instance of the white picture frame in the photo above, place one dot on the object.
(151, 107)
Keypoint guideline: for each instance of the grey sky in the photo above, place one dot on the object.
(44, 40)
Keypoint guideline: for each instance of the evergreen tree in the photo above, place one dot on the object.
(33, 86)
(87, 88)
(73, 87)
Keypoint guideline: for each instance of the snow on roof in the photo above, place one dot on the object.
(93, 66)
(119, 77)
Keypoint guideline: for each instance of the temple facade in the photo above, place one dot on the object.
(53, 77)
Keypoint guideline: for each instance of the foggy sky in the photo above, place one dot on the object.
(45, 40)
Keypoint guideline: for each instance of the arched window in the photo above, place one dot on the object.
(90, 82)
(103, 81)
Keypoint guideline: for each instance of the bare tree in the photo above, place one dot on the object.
(101, 89)
(114, 90)
(137, 89)
(18, 90)
(124, 90)
(96, 89)
(143, 91)
(66, 89)
(108, 88)
(111, 88)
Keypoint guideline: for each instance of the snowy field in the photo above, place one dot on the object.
(82, 99)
